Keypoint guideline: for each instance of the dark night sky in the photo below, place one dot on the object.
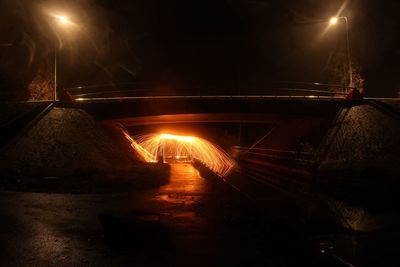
(222, 43)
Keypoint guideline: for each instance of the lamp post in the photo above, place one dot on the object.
(334, 21)
(55, 73)
(62, 21)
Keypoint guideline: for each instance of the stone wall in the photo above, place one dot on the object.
(363, 137)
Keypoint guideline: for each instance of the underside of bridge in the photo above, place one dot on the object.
(236, 125)
(222, 142)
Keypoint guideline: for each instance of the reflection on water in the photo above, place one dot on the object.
(184, 178)
(366, 220)
(185, 185)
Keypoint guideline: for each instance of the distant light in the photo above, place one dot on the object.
(333, 20)
(79, 99)
(63, 20)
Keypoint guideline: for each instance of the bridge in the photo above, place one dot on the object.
(274, 156)
(108, 108)
(272, 137)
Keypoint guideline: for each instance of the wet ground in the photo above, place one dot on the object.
(200, 227)
(191, 221)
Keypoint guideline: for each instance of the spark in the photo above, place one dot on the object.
(177, 137)
(179, 148)
(143, 153)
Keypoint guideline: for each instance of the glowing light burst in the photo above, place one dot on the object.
(150, 147)
(333, 21)
(63, 19)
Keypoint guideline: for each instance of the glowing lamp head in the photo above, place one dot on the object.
(63, 20)
(333, 21)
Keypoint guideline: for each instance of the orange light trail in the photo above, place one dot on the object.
(182, 148)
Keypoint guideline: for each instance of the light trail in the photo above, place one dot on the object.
(169, 147)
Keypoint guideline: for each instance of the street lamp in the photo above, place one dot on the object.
(333, 21)
(61, 21)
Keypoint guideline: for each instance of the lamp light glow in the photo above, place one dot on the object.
(62, 20)
(333, 21)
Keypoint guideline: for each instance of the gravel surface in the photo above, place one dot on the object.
(68, 150)
(366, 137)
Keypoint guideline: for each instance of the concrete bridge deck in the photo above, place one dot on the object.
(111, 108)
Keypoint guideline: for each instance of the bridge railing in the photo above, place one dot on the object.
(105, 91)
(283, 170)
(294, 159)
